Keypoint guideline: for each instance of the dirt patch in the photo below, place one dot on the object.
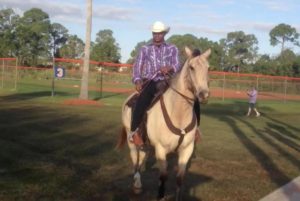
(82, 102)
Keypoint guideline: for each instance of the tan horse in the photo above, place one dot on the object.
(190, 83)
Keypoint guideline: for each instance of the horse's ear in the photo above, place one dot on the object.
(188, 52)
(206, 53)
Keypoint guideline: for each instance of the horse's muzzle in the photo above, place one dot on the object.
(203, 97)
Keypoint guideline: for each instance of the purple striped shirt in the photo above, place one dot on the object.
(151, 58)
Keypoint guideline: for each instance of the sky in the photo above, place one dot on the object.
(131, 20)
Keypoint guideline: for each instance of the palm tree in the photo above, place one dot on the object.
(85, 73)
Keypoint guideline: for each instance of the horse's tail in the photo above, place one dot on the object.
(122, 138)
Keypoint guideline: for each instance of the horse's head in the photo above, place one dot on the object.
(197, 70)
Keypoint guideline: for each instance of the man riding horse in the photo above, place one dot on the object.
(154, 62)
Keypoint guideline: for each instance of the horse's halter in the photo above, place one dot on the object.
(192, 89)
(191, 86)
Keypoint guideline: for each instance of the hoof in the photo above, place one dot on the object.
(137, 190)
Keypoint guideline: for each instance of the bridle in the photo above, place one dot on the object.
(188, 99)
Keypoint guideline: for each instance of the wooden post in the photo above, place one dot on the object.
(2, 76)
(53, 77)
(16, 80)
(224, 79)
(285, 89)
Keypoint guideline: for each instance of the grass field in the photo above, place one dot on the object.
(51, 151)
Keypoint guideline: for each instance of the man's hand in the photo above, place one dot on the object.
(138, 86)
(166, 69)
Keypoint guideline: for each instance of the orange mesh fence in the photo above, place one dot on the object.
(116, 78)
(234, 85)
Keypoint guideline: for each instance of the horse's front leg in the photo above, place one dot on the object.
(137, 158)
(161, 158)
(183, 158)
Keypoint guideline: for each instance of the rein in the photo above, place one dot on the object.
(188, 99)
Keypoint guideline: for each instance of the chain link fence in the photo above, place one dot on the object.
(116, 78)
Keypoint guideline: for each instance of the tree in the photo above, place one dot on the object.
(285, 63)
(59, 36)
(283, 33)
(241, 49)
(200, 43)
(85, 73)
(8, 22)
(265, 65)
(192, 42)
(135, 51)
(296, 67)
(73, 48)
(106, 48)
(181, 41)
(215, 58)
(33, 33)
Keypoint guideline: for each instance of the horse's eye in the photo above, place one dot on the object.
(192, 68)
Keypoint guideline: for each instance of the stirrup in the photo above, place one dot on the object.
(135, 138)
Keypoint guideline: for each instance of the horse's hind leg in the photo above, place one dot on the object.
(161, 158)
(183, 158)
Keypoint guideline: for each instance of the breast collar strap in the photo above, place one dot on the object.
(172, 128)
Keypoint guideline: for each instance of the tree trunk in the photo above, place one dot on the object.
(85, 71)
(282, 45)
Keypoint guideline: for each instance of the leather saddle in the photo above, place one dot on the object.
(162, 88)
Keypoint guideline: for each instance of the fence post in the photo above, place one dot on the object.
(285, 89)
(16, 80)
(53, 76)
(272, 85)
(2, 76)
(101, 83)
(224, 79)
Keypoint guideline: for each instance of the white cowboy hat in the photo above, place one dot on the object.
(158, 27)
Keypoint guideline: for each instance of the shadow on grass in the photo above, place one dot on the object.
(232, 115)
(40, 94)
(150, 188)
(267, 135)
(48, 152)
(32, 95)
(150, 179)
(55, 154)
(281, 136)
(281, 126)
